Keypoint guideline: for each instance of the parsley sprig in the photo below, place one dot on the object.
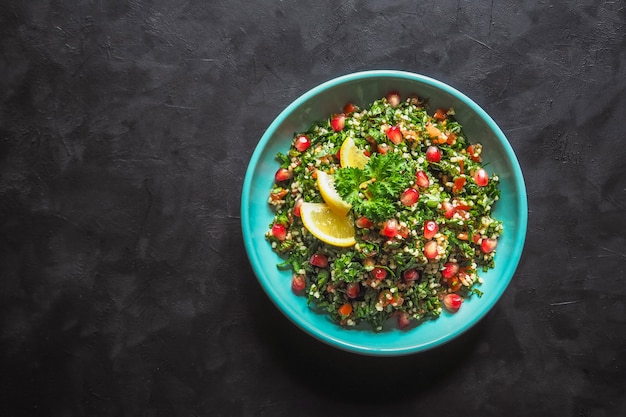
(374, 191)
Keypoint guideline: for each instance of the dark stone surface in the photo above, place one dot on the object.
(125, 132)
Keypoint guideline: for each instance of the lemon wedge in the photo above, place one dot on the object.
(351, 156)
(326, 225)
(326, 185)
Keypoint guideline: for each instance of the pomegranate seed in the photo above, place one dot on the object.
(403, 320)
(379, 273)
(459, 183)
(349, 108)
(296, 207)
(393, 98)
(319, 260)
(283, 174)
(450, 269)
(488, 245)
(338, 122)
(421, 179)
(431, 250)
(452, 302)
(353, 289)
(298, 283)
(302, 143)
(279, 231)
(410, 275)
(364, 223)
(430, 229)
(390, 228)
(409, 197)
(395, 135)
(383, 148)
(433, 154)
(481, 178)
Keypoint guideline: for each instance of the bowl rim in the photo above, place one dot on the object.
(518, 179)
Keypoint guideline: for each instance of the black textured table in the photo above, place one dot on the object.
(125, 132)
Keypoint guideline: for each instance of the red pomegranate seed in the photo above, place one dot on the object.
(395, 135)
(433, 154)
(298, 283)
(488, 245)
(379, 273)
(430, 229)
(302, 143)
(296, 207)
(319, 260)
(338, 122)
(481, 178)
(410, 275)
(421, 179)
(431, 250)
(403, 320)
(364, 223)
(452, 302)
(279, 231)
(283, 174)
(390, 228)
(393, 98)
(409, 197)
(450, 269)
(353, 289)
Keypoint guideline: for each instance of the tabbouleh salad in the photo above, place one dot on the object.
(399, 225)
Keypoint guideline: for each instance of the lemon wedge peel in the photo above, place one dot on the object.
(326, 225)
(325, 184)
(351, 156)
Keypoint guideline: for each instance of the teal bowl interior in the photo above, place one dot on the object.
(363, 88)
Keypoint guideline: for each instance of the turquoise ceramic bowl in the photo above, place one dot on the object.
(362, 88)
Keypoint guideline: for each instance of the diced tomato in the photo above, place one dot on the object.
(430, 229)
(474, 152)
(278, 194)
(459, 183)
(440, 115)
(345, 310)
(383, 148)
